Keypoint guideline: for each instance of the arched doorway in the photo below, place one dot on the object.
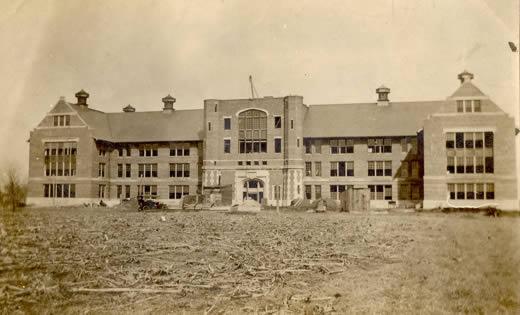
(253, 189)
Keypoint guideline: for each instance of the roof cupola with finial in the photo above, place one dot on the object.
(382, 96)
(467, 90)
(168, 103)
(82, 98)
(128, 109)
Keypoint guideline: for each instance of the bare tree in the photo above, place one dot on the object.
(13, 191)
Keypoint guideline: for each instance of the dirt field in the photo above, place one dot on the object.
(93, 261)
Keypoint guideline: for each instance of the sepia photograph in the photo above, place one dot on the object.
(260, 157)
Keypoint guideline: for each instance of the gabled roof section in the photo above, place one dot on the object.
(467, 89)
(368, 119)
(61, 107)
(180, 125)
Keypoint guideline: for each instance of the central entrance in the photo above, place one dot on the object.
(253, 189)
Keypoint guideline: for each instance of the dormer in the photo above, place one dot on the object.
(468, 97)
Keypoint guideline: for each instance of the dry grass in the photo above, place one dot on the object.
(265, 263)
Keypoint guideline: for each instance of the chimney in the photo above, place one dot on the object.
(82, 98)
(382, 96)
(465, 76)
(168, 103)
(128, 109)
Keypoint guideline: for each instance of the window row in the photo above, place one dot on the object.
(150, 151)
(338, 146)
(127, 170)
(178, 191)
(380, 192)
(308, 192)
(252, 146)
(342, 168)
(469, 140)
(379, 168)
(60, 148)
(469, 106)
(147, 191)
(61, 120)
(379, 145)
(179, 170)
(59, 190)
(60, 165)
(120, 192)
(249, 163)
(470, 191)
(470, 165)
(147, 170)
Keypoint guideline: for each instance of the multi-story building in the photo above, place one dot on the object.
(459, 151)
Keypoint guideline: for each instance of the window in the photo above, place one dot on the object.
(277, 145)
(317, 191)
(277, 122)
(308, 169)
(342, 168)
(179, 150)
(469, 152)
(227, 146)
(415, 169)
(119, 191)
(101, 170)
(252, 131)
(469, 106)
(317, 169)
(147, 170)
(404, 192)
(102, 152)
(379, 145)
(470, 191)
(120, 152)
(292, 124)
(59, 190)
(404, 169)
(128, 169)
(264, 162)
(119, 170)
(147, 191)
(209, 126)
(128, 152)
(308, 192)
(101, 190)
(240, 162)
(179, 170)
(307, 145)
(340, 146)
(148, 151)
(216, 107)
(61, 120)
(298, 142)
(380, 192)
(379, 168)
(336, 190)
(413, 144)
(317, 146)
(404, 145)
(227, 123)
(60, 158)
(127, 191)
(179, 191)
(416, 192)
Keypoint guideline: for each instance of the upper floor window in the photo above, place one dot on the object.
(469, 152)
(227, 123)
(277, 122)
(227, 146)
(338, 146)
(60, 158)
(252, 131)
(277, 145)
(179, 151)
(380, 145)
(469, 106)
(148, 151)
(147, 170)
(61, 120)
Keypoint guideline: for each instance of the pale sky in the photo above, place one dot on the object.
(136, 52)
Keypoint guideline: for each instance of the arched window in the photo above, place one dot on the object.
(252, 131)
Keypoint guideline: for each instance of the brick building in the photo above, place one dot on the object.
(459, 151)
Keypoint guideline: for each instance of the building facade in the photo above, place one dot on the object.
(456, 152)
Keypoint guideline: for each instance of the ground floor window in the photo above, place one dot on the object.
(335, 190)
(470, 191)
(101, 190)
(178, 191)
(119, 191)
(127, 191)
(147, 191)
(308, 192)
(409, 191)
(317, 191)
(380, 192)
(59, 190)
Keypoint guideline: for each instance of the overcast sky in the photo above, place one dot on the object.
(136, 52)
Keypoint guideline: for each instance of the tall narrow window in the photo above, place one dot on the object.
(317, 191)
(317, 169)
(460, 106)
(119, 170)
(277, 145)
(209, 126)
(277, 122)
(308, 192)
(292, 124)
(308, 169)
(227, 123)
(227, 146)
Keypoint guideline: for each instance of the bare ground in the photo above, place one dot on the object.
(94, 261)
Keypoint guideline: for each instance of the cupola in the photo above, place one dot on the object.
(82, 98)
(168, 103)
(382, 96)
(465, 77)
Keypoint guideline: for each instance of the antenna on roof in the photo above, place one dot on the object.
(254, 93)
